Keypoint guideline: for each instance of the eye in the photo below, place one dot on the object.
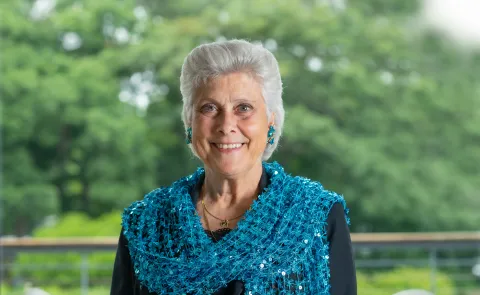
(208, 108)
(243, 108)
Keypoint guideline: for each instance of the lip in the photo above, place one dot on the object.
(227, 142)
(227, 151)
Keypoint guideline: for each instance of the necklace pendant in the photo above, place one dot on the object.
(224, 223)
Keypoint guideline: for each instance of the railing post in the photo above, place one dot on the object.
(433, 270)
(84, 274)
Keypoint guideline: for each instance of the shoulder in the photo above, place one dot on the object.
(157, 203)
(161, 196)
(138, 206)
(314, 196)
(310, 192)
(313, 189)
(137, 212)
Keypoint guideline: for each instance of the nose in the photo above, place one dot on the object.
(227, 122)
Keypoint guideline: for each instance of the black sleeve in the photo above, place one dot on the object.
(343, 279)
(122, 278)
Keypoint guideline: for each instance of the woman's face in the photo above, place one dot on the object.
(230, 124)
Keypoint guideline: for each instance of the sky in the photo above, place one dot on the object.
(459, 20)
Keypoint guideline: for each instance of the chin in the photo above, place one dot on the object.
(230, 167)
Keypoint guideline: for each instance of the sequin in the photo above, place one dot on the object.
(200, 264)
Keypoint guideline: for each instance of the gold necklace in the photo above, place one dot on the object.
(208, 225)
(223, 222)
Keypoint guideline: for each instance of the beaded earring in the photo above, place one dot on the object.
(271, 132)
(188, 140)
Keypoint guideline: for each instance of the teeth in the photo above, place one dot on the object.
(229, 146)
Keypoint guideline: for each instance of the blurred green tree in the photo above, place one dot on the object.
(69, 142)
(381, 112)
(375, 110)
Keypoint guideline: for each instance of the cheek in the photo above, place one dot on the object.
(202, 128)
(256, 133)
(200, 132)
(255, 129)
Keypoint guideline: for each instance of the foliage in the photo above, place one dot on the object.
(65, 130)
(384, 114)
(55, 290)
(403, 278)
(65, 269)
(378, 284)
(91, 291)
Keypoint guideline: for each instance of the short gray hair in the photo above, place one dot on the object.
(220, 58)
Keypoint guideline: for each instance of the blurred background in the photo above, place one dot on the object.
(382, 101)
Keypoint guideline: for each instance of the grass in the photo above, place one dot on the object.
(54, 290)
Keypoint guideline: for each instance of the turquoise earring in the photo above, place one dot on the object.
(188, 140)
(271, 132)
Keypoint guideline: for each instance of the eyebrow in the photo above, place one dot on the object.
(236, 100)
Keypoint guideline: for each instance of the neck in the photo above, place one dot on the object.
(229, 191)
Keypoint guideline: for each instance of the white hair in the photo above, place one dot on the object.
(209, 61)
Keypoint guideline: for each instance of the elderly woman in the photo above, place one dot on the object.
(239, 225)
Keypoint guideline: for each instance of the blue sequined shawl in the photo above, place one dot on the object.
(280, 247)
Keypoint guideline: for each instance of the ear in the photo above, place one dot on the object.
(272, 120)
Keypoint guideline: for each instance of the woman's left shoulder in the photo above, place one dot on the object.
(313, 192)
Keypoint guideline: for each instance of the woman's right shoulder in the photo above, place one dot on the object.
(160, 199)
(154, 197)
(143, 211)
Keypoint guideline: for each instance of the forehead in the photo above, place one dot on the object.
(231, 86)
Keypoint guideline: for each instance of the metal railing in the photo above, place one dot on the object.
(368, 249)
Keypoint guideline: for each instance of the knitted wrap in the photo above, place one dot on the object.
(280, 247)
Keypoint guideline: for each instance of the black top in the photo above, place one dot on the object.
(342, 266)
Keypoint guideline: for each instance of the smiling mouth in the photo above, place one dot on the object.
(229, 146)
